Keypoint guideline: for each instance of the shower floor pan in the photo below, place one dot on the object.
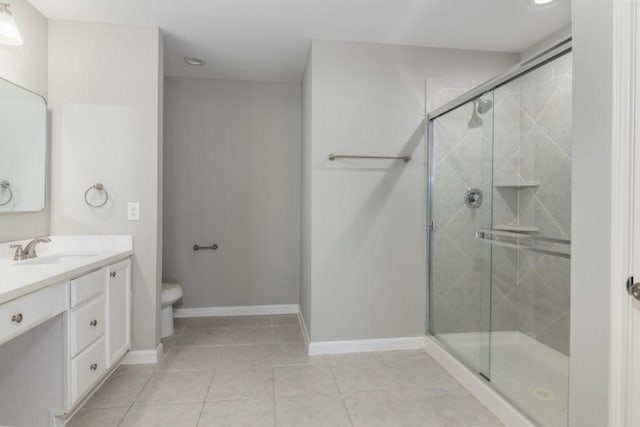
(530, 374)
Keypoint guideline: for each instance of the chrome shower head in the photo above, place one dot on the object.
(484, 105)
(475, 121)
(480, 106)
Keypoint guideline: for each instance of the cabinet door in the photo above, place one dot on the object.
(118, 309)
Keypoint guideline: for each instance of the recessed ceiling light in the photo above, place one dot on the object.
(194, 61)
(540, 2)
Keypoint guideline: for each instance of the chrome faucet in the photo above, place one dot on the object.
(28, 251)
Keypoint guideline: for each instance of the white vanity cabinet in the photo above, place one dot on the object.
(21, 314)
(118, 311)
(98, 325)
(65, 322)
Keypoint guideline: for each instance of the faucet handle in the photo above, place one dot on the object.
(19, 255)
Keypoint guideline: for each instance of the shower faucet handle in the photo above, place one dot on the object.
(473, 198)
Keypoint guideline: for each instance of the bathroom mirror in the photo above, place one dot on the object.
(23, 149)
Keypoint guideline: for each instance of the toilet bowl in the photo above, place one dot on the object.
(171, 293)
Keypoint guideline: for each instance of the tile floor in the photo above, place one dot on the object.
(253, 371)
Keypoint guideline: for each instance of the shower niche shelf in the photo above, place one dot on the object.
(523, 184)
(517, 228)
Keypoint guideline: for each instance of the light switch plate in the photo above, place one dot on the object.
(133, 211)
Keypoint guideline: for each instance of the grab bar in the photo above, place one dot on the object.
(484, 234)
(333, 157)
(211, 247)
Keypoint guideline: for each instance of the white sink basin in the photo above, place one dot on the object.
(59, 259)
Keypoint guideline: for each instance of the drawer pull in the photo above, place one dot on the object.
(94, 367)
(112, 274)
(93, 323)
(17, 318)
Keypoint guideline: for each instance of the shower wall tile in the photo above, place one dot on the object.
(555, 272)
(459, 310)
(526, 125)
(538, 156)
(505, 269)
(467, 159)
(462, 229)
(562, 66)
(526, 261)
(548, 224)
(447, 139)
(507, 126)
(496, 296)
(504, 317)
(536, 90)
(449, 200)
(536, 304)
(453, 132)
(553, 195)
(555, 120)
(556, 335)
(449, 265)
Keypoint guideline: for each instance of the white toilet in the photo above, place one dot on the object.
(171, 293)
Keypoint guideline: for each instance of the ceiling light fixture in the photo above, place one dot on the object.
(194, 61)
(9, 33)
(540, 2)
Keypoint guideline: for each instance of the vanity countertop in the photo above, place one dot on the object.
(64, 258)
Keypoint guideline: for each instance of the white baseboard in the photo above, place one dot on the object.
(240, 310)
(360, 346)
(138, 357)
(477, 386)
(303, 327)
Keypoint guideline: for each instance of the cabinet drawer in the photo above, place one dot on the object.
(86, 324)
(85, 287)
(87, 368)
(21, 314)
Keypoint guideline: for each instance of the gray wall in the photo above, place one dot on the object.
(26, 66)
(104, 98)
(367, 234)
(232, 176)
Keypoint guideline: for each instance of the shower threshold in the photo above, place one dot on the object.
(528, 373)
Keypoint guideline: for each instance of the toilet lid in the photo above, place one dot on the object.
(171, 288)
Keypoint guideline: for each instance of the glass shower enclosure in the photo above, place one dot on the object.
(499, 214)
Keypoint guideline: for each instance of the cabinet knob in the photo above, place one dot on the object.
(94, 367)
(17, 318)
(112, 274)
(93, 323)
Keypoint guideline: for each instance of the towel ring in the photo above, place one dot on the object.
(5, 185)
(97, 187)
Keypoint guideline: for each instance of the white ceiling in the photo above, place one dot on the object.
(268, 40)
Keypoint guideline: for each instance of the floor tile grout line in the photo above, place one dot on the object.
(344, 405)
(136, 398)
(273, 393)
(213, 376)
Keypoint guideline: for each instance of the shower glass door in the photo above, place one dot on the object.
(500, 245)
(460, 193)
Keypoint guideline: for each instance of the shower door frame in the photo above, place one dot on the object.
(561, 48)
